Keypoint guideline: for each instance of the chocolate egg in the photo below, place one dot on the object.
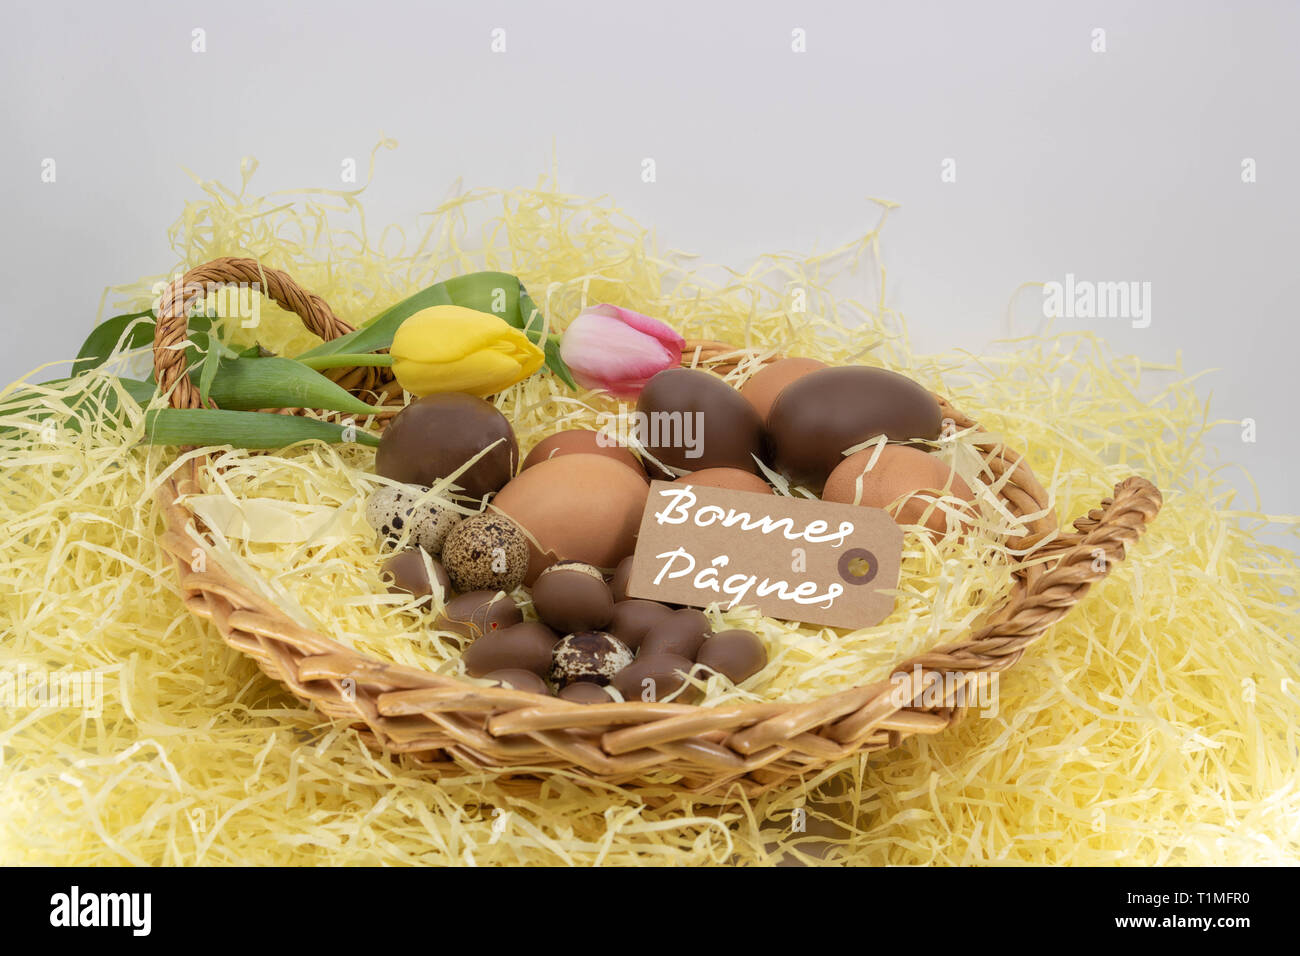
(525, 646)
(736, 655)
(904, 482)
(517, 679)
(680, 632)
(633, 618)
(578, 507)
(407, 574)
(817, 417)
(571, 596)
(591, 656)
(652, 677)
(477, 613)
(733, 479)
(766, 384)
(486, 552)
(390, 510)
(690, 419)
(580, 441)
(618, 583)
(585, 692)
(436, 435)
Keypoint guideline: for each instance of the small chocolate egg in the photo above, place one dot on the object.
(652, 677)
(517, 679)
(578, 507)
(618, 583)
(571, 596)
(680, 632)
(487, 552)
(525, 646)
(592, 656)
(905, 482)
(390, 510)
(634, 617)
(816, 418)
(736, 655)
(762, 388)
(580, 441)
(585, 692)
(477, 613)
(733, 479)
(434, 436)
(690, 419)
(407, 574)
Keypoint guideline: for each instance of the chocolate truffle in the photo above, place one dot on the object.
(571, 596)
(691, 419)
(736, 655)
(653, 677)
(517, 679)
(434, 436)
(407, 574)
(525, 646)
(679, 632)
(816, 418)
(633, 618)
(592, 656)
(585, 692)
(618, 583)
(477, 613)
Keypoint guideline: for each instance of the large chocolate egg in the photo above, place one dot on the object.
(730, 479)
(817, 417)
(691, 419)
(905, 482)
(767, 383)
(579, 441)
(434, 436)
(578, 507)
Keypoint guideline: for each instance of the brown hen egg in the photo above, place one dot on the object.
(765, 385)
(904, 482)
(733, 479)
(579, 441)
(576, 507)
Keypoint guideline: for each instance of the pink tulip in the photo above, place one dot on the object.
(618, 350)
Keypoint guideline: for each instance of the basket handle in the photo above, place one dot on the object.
(170, 333)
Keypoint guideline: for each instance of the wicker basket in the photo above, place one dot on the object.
(449, 724)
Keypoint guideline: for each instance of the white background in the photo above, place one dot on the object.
(1114, 166)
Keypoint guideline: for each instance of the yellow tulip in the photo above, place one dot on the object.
(449, 348)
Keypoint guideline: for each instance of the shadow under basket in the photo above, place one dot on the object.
(451, 725)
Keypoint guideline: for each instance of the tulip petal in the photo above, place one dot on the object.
(618, 350)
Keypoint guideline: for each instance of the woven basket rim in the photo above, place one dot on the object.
(756, 745)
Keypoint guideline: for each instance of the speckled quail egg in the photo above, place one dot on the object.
(591, 656)
(486, 552)
(390, 509)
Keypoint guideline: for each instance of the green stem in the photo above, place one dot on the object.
(345, 360)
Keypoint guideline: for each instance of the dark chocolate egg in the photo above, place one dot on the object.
(592, 656)
(680, 632)
(434, 436)
(526, 646)
(736, 655)
(517, 679)
(618, 583)
(407, 574)
(817, 417)
(585, 692)
(477, 613)
(653, 677)
(633, 618)
(690, 419)
(571, 596)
